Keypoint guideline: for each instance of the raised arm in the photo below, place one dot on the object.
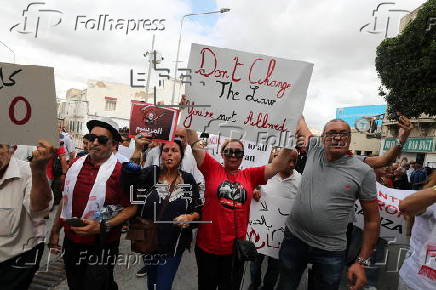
(278, 164)
(392, 154)
(40, 194)
(197, 149)
(385, 159)
(302, 128)
(141, 142)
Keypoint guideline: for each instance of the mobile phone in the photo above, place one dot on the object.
(75, 222)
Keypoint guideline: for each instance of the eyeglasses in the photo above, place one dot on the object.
(340, 134)
(231, 152)
(101, 139)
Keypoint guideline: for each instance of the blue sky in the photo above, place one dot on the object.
(204, 6)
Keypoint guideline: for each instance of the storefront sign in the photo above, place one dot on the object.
(413, 144)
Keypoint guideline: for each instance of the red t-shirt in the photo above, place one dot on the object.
(227, 196)
(50, 173)
(114, 195)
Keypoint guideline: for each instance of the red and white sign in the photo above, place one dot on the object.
(392, 223)
(260, 96)
(27, 104)
(266, 226)
(159, 122)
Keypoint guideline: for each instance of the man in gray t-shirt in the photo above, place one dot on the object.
(332, 181)
(326, 198)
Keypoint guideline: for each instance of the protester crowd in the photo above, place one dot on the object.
(160, 193)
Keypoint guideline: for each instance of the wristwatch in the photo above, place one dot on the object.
(104, 226)
(364, 262)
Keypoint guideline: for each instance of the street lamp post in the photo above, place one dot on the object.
(176, 66)
(8, 48)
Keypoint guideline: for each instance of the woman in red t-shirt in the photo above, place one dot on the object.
(228, 193)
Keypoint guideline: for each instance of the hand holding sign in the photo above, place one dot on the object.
(141, 140)
(257, 193)
(183, 101)
(149, 120)
(42, 155)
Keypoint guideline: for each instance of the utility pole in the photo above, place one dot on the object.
(150, 60)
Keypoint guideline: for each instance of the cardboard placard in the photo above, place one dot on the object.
(28, 104)
(259, 98)
(392, 223)
(266, 227)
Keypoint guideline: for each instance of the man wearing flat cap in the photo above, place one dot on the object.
(92, 183)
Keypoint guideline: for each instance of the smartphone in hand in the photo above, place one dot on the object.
(75, 222)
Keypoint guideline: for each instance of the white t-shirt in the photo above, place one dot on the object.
(126, 151)
(419, 268)
(287, 188)
(121, 158)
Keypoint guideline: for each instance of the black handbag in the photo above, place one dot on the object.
(244, 250)
(143, 233)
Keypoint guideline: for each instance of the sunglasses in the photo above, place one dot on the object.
(101, 139)
(231, 152)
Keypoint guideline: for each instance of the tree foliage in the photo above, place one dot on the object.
(406, 65)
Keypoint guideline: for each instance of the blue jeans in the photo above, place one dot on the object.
(162, 272)
(294, 256)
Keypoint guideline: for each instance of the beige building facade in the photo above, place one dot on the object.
(101, 100)
(361, 144)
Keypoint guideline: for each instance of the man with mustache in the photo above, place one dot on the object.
(316, 229)
(92, 182)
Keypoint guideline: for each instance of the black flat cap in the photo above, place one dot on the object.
(97, 123)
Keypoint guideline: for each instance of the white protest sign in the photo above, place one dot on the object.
(392, 223)
(266, 227)
(252, 97)
(27, 104)
(254, 155)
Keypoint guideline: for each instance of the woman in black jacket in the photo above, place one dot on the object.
(170, 196)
